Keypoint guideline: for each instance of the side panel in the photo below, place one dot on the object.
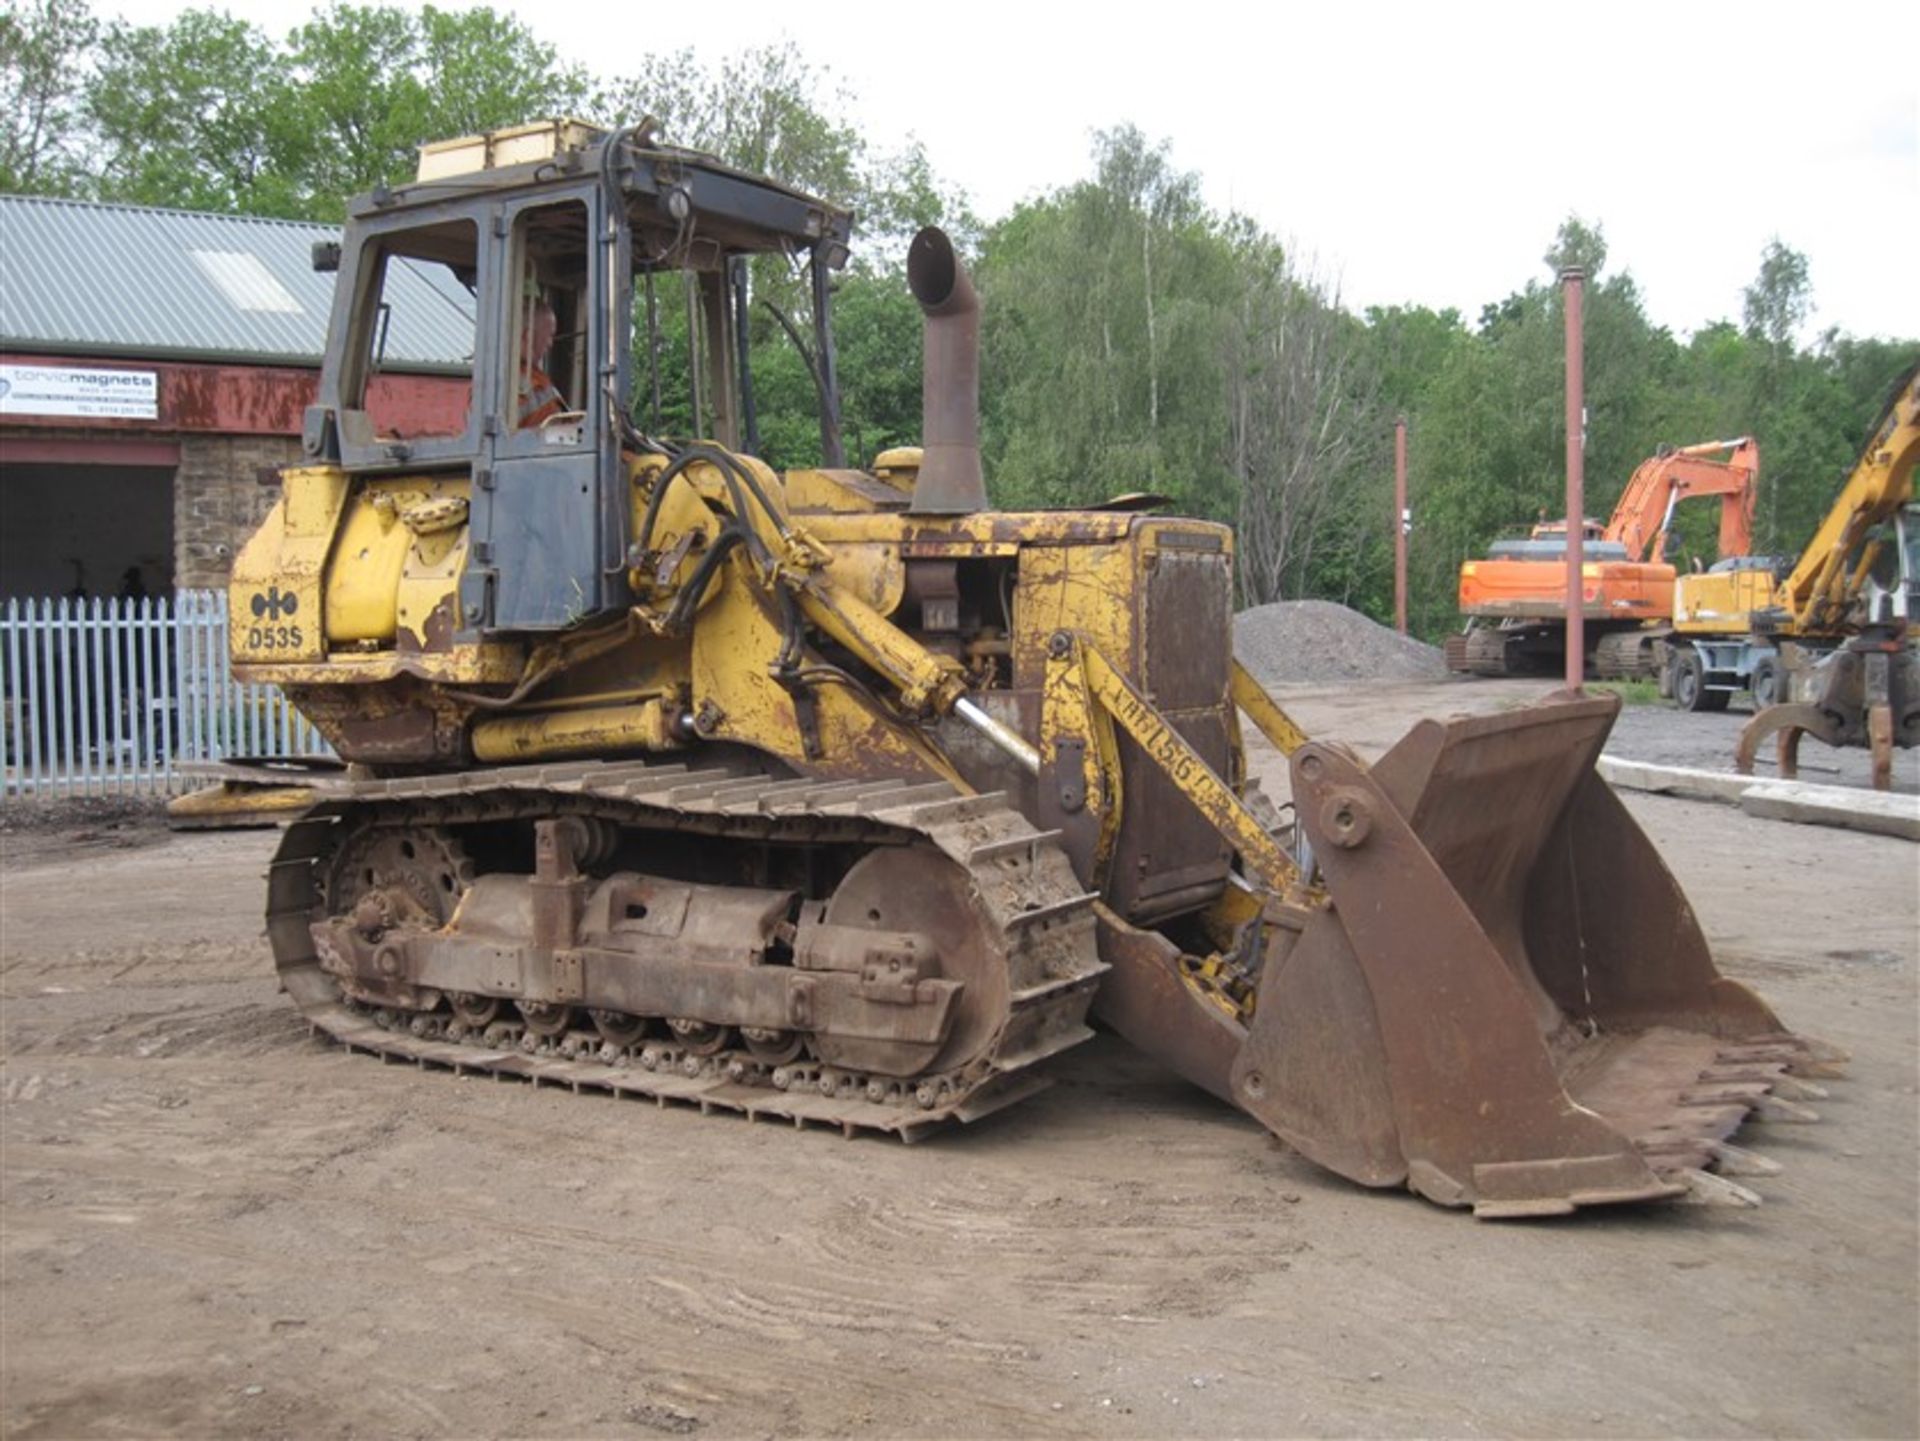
(275, 593)
(1529, 589)
(538, 567)
(1157, 604)
(1720, 600)
(1170, 857)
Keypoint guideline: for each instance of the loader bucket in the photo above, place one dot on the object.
(1508, 1002)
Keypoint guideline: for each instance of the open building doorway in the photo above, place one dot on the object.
(85, 531)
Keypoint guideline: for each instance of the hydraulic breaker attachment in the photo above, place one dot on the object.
(1505, 1001)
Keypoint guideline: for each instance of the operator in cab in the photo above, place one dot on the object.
(539, 400)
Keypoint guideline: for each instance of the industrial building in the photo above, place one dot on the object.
(154, 369)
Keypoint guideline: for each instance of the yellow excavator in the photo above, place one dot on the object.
(1828, 647)
(838, 797)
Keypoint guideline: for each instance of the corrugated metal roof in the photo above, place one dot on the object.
(83, 278)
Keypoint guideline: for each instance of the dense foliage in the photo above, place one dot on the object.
(1136, 340)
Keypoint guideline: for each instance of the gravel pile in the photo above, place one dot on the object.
(1296, 641)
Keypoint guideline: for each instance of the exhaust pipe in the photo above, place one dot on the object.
(950, 481)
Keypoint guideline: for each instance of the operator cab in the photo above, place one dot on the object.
(632, 256)
(1893, 581)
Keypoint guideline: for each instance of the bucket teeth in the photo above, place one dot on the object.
(1732, 1160)
(1777, 1109)
(1745, 1093)
(1793, 1088)
(1706, 1189)
(1766, 1074)
(1801, 1055)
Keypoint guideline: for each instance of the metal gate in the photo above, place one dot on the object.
(109, 697)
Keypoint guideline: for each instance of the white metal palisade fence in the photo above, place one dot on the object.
(110, 697)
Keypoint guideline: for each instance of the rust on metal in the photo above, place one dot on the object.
(17, 448)
(1868, 694)
(215, 398)
(950, 480)
(1573, 285)
(1508, 1003)
(956, 955)
(947, 775)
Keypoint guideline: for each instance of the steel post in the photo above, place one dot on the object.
(1573, 287)
(1401, 521)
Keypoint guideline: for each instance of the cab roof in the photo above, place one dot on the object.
(667, 186)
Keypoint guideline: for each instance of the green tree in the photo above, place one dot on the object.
(1577, 244)
(44, 46)
(370, 84)
(480, 70)
(1780, 298)
(768, 109)
(761, 109)
(1306, 431)
(1491, 429)
(209, 112)
(185, 115)
(1104, 358)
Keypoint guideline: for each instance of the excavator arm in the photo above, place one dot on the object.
(1644, 516)
(1867, 692)
(1826, 582)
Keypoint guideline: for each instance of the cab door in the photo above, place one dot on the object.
(548, 508)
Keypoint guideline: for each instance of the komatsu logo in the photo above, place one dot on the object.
(273, 605)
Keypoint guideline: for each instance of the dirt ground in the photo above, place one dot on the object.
(211, 1224)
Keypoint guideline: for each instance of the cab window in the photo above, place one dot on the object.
(549, 369)
(418, 318)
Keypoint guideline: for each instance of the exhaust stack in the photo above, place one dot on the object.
(950, 481)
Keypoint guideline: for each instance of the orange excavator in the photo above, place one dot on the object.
(1516, 599)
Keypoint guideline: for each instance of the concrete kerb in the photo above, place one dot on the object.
(1875, 812)
(1879, 812)
(1688, 781)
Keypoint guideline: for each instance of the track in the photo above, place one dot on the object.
(1024, 890)
(1485, 652)
(1626, 654)
(1501, 651)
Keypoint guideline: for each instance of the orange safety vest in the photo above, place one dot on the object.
(539, 401)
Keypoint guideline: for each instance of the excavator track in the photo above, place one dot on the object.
(1627, 654)
(1036, 921)
(1485, 652)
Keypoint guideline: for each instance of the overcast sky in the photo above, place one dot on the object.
(1424, 153)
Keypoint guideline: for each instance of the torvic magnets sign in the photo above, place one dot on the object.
(61, 390)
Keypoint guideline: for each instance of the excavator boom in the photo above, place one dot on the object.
(1844, 619)
(1828, 578)
(1643, 518)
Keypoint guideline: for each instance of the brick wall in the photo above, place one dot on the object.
(218, 501)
